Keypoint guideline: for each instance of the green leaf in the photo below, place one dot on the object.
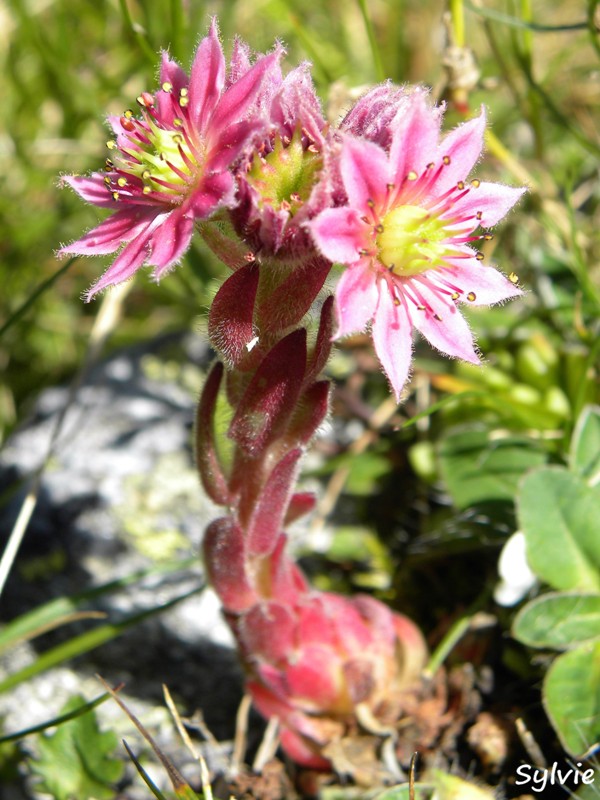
(572, 697)
(477, 468)
(75, 762)
(559, 513)
(562, 621)
(584, 455)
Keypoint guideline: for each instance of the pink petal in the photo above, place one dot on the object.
(92, 189)
(239, 63)
(463, 147)
(206, 79)
(129, 260)
(493, 200)
(487, 284)
(234, 102)
(224, 148)
(365, 172)
(215, 191)
(356, 299)
(170, 72)
(450, 333)
(110, 234)
(339, 234)
(392, 337)
(170, 241)
(415, 138)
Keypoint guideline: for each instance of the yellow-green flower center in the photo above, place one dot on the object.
(284, 178)
(411, 240)
(164, 163)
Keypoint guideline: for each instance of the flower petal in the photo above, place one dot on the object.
(392, 337)
(207, 78)
(441, 323)
(415, 139)
(92, 189)
(463, 147)
(365, 172)
(215, 191)
(493, 200)
(235, 101)
(170, 241)
(339, 234)
(110, 234)
(170, 73)
(128, 261)
(487, 284)
(356, 300)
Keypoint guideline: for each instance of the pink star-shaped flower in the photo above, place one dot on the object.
(170, 166)
(407, 232)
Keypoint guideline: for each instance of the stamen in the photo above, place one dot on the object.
(460, 185)
(471, 297)
(412, 176)
(437, 316)
(475, 183)
(479, 215)
(122, 182)
(111, 144)
(479, 256)
(167, 87)
(115, 195)
(455, 295)
(446, 160)
(513, 278)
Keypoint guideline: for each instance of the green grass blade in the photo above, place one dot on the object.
(514, 22)
(87, 641)
(16, 315)
(51, 723)
(58, 611)
(378, 63)
(144, 775)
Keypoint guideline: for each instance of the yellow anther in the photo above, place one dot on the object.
(412, 176)
(183, 101)
(122, 182)
(471, 297)
(111, 144)
(513, 278)
(475, 183)
(446, 160)
(460, 185)
(128, 114)
(177, 122)
(115, 195)
(455, 295)
(167, 87)
(479, 256)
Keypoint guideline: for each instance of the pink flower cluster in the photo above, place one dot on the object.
(245, 154)
(382, 194)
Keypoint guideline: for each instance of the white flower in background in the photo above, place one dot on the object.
(516, 578)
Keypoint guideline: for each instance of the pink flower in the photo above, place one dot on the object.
(408, 231)
(171, 166)
(283, 182)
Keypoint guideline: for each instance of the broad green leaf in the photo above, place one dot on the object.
(572, 697)
(559, 515)
(584, 455)
(562, 621)
(477, 468)
(75, 761)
